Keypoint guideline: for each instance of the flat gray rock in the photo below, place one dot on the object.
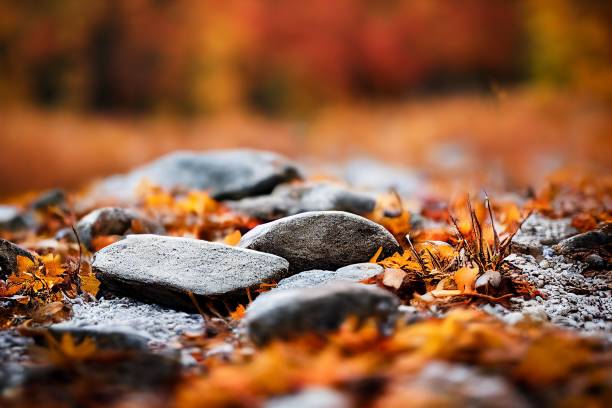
(352, 273)
(115, 221)
(321, 240)
(294, 199)
(226, 174)
(287, 313)
(164, 269)
(8, 257)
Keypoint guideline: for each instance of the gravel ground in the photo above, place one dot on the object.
(571, 299)
(161, 325)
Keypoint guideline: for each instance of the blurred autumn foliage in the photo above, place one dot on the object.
(289, 56)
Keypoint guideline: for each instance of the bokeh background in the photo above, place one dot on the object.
(510, 90)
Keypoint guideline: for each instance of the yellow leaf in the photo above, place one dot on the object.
(53, 265)
(233, 239)
(465, 279)
(374, 259)
(90, 284)
(24, 263)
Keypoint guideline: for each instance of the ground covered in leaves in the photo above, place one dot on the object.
(498, 299)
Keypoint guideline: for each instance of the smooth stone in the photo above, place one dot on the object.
(13, 219)
(8, 257)
(283, 314)
(293, 199)
(116, 338)
(598, 238)
(51, 198)
(352, 273)
(165, 270)
(114, 221)
(314, 397)
(488, 281)
(321, 240)
(378, 176)
(225, 174)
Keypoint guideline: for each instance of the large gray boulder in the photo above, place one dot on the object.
(316, 277)
(226, 174)
(321, 240)
(165, 270)
(293, 199)
(115, 221)
(8, 257)
(287, 313)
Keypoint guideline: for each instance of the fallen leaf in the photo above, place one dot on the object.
(393, 277)
(233, 238)
(465, 278)
(374, 259)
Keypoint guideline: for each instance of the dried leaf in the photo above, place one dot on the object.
(465, 278)
(393, 277)
(374, 259)
(233, 238)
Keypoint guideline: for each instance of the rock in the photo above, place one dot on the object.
(115, 221)
(317, 277)
(321, 240)
(8, 257)
(595, 261)
(488, 282)
(226, 174)
(311, 398)
(286, 313)
(377, 176)
(13, 219)
(105, 338)
(291, 199)
(165, 269)
(52, 198)
(586, 241)
(538, 231)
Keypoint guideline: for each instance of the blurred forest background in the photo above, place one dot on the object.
(92, 87)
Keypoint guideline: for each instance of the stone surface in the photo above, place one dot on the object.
(8, 257)
(226, 174)
(378, 176)
(51, 198)
(315, 397)
(285, 313)
(115, 221)
(13, 219)
(105, 338)
(586, 241)
(488, 281)
(291, 199)
(165, 269)
(321, 240)
(317, 277)
(538, 231)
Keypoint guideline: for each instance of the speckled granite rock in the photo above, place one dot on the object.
(285, 313)
(321, 240)
(165, 269)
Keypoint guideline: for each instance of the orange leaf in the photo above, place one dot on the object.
(24, 263)
(374, 259)
(238, 313)
(465, 279)
(233, 239)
